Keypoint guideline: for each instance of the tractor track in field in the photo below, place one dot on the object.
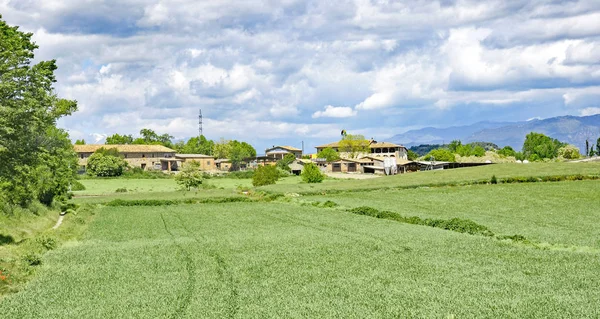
(343, 232)
(222, 270)
(186, 297)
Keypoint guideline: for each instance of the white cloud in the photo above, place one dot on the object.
(335, 111)
(589, 111)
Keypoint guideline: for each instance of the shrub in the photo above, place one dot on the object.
(494, 180)
(105, 165)
(569, 152)
(265, 175)
(440, 154)
(32, 259)
(121, 190)
(48, 243)
(330, 204)
(312, 174)
(190, 176)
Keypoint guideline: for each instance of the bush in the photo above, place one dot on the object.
(265, 175)
(139, 173)
(121, 190)
(440, 154)
(105, 165)
(569, 152)
(494, 180)
(312, 174)
(32, 259)
(190, 176)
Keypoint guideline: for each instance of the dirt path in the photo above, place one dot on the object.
(59, 221)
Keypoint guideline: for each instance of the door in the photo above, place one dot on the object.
(337, 167)
(351, 167)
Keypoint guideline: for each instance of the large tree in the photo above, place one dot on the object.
(117, 139)
(354, 145)
(29, 109)
(328, 154)
(196, 145)
(540, 146)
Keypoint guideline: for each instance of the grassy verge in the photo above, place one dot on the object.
(26, 238)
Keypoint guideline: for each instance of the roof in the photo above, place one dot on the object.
(289, 148)
(403, 162)
(222, 160)
(127, 148)
(374, 167)
(372, 145)
(373, 158)
(193, 156)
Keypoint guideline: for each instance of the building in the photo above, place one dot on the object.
(146, 157)
(376, 149)
(223, 164)
(279, 152)
(207, 162)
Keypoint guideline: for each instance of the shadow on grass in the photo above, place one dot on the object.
(6, 240)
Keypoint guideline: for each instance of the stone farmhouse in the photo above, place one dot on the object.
(146, 157)
(377, 149)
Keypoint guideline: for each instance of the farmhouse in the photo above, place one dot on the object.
(377, 149)
(207, 162)
(279, 152)
(146, 157)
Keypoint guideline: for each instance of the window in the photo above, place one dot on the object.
(152, 155)
(143, 155)
(207, 162)
(125, 155)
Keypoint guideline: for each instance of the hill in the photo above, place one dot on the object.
(570, 129)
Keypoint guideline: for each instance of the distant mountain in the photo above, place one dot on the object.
(570, 129)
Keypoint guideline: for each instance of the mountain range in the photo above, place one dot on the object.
(569, 129)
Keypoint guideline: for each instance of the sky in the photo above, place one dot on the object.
(286, 72)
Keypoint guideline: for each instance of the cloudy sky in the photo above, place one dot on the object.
(289, 71)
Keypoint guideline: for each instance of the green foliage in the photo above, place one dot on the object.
(598, 146)
(329, 154)
(233, 150)
(507, 151)
(454, 145)
(195, 145)
(440, 154)
(265, 175)
(284, 163)
(139, 173)
(121, 190)
(539, 146)
(80, 142)
(354, 145)
(494, 180)
(312, 174)
(423, 149)
(111, 151)
(412, 155)
(569, 152)
(101, 165)
(479, 151)
(486, 145)
(29, 109)
(190, 176)
(117, 139)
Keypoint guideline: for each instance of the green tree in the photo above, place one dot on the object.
(239, 151)
(190, 176)
(465, 150)
(265, 175)
(117, 139)
(80, 142)
(569, 152)
(479, 151)
(541, 145)
(196, 145)
(440, 154)
(312, 174)
(150, 137)
(412, 155)
(454, 145)
(102, 165)
(329, 154)
(598, 146)
(29, 109)
(221, 149)
(507, 151)
(587, 147)
(285, 162)
(354, 145)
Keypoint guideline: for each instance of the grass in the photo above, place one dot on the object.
(264, 260)
(480, 173)
(293, 258)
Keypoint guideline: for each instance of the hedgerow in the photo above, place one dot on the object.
(169, 202)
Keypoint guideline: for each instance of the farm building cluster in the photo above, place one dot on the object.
(382, 158)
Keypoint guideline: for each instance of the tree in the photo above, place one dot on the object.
(108, 151)
(285, 162)
(479, 151)
(196, 145)
(149, 137)
(354, 145)
(102, 165)
(598, 146)
(222, 149)
(190, 176)
(265, 175)
(541, 145)
(412, 155)
(440, 154)
(507, 151)
(587, 147)
(328, 154)
(117, 139)
(464, 150)
(80, 142)
(239, 151)
(29, 109)
(569, 152)
(454, 145)
(312, 174)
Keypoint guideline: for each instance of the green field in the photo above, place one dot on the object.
(288, 258)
